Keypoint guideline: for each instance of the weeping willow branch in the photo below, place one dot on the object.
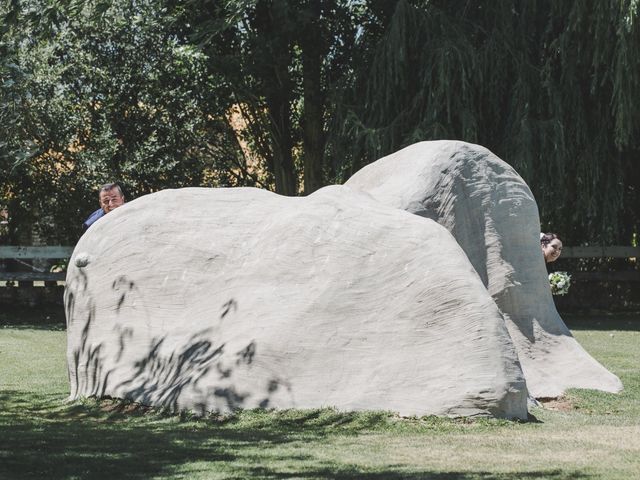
(551, 87)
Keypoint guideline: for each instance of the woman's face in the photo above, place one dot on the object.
(552, 250)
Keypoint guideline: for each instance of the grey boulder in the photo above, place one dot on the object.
(218, 299)
(492, 214)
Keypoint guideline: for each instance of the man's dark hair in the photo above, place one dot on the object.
(107, 187)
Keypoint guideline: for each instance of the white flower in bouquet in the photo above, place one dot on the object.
(559, 282)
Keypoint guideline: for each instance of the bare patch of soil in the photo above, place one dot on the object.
(120, 406)
(559, 404)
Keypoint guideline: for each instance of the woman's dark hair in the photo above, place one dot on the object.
(546, 238)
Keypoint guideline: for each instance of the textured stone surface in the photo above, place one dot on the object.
(214, 299)
(492, 214)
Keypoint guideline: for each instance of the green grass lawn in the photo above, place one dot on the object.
(594, 435)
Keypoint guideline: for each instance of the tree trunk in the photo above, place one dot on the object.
(273, 58)
(283, 167)
(313, 134)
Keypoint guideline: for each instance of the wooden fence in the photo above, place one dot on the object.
(631, 253)
(26, 278)
(34, 274)
(26, 285)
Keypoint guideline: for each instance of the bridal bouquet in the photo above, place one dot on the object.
(559, 282)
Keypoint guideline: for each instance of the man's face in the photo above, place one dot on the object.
(110, 199)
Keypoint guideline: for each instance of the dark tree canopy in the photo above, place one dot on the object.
(283, 61)
(551, 87)
(105, 95)
(292, 95)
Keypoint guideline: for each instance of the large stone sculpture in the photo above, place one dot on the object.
(419, 287)
(214, 299)
(492, 214)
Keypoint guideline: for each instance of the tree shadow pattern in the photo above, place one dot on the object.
(159, 380)
(39, 438)
(161, 377)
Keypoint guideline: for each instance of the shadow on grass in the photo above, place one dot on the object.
(50, 327)
(40, 437)
(603, 322)
(49, 317)
(400, 473)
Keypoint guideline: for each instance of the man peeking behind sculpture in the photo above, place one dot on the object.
(110, 198)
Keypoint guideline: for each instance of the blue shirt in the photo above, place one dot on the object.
(92, 218)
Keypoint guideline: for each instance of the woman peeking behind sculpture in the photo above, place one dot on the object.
(551, 246)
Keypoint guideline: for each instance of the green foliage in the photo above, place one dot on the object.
(282, 62)
(106, 95)
(553, 88)
(143, 93)
(41, 435)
